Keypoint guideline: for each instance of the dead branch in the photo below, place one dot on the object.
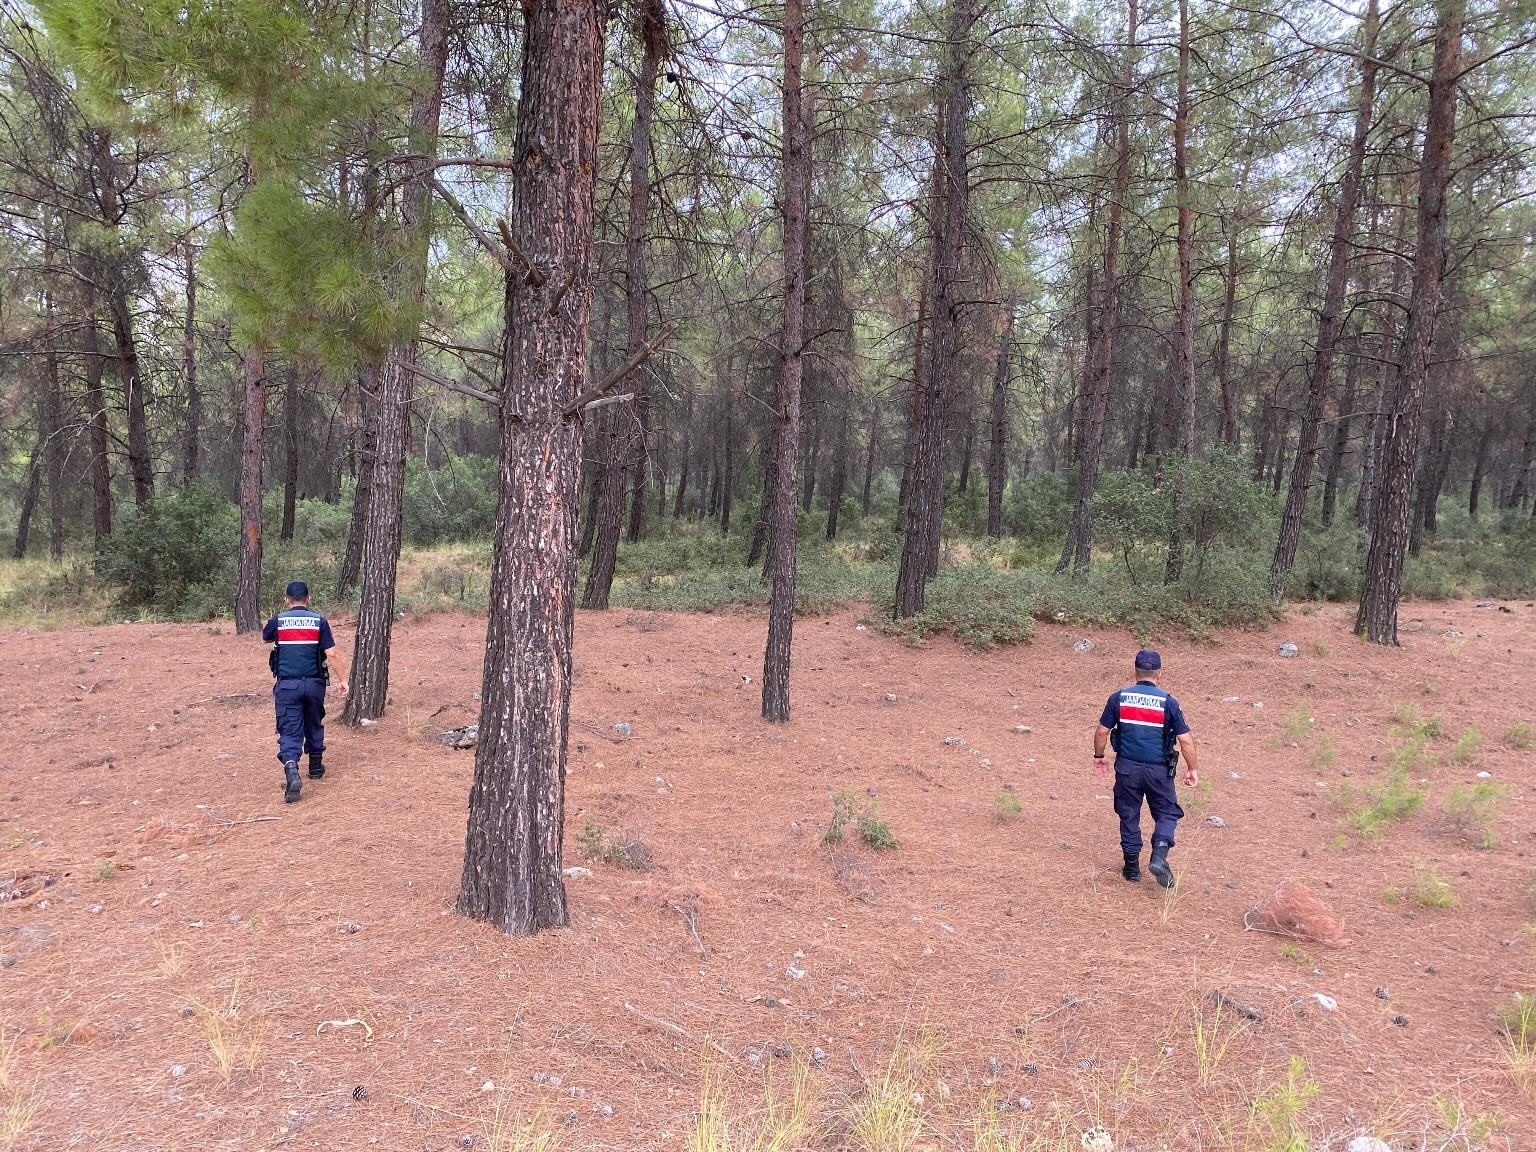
(496, 251)
(691, 918)
(535, 277)
(565, 286)
(454, 386)
(618, 373)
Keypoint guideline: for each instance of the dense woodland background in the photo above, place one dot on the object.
(1145, 275)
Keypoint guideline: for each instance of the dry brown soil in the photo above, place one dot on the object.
(1009, 952)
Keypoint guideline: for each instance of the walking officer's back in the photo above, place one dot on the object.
(1149, 733)
(302, 659)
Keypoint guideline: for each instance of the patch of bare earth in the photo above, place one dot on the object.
(190, 963)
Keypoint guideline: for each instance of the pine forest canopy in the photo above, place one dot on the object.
(1231, 301)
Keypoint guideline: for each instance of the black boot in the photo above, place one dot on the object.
(1132, 869)
(316, 768)
(291, 783)
(1158, 865)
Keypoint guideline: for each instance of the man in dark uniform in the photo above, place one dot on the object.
(1149, 733)
(303, 654)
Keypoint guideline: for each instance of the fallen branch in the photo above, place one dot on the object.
(237, 823)
(618, 374)
(671, 1029)
(1246, 1011)
(367, 1028)
(1068, 1001)
(691, 918)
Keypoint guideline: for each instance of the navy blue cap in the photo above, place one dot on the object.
(298, 590)
(1148, 660)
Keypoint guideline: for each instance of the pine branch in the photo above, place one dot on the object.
(496, 251)
(617, 375)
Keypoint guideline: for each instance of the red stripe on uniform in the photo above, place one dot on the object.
(1141, 715)
(298, 635)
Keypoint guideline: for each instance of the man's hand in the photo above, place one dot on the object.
(342, 689)
(1191, 777)
(1100, 766)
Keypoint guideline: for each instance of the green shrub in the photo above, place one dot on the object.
(1519, 737)
(1433, 890)
(455, 501)
(1383, 804)
(1472, 807)
(1466, 747)
(1006, 807)
(178, 548)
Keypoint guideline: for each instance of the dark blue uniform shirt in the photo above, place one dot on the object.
(302, 637)
(1144, 721)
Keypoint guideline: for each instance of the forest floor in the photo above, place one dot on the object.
(189, 963)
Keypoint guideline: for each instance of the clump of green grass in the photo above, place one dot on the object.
(1392, 894)
(1006, 807)
(1466, 747)
(1277, 1115)
(1298, 723)
(1520, 736)
(865, 817)
(1377, 807)
(1518, 1025)
(602, 848)
(1471, 809)
(1433, 890)
(1296, 955)
(106, 870)
(1321, 756)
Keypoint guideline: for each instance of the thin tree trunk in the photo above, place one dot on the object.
(915, 409)
(1340, 438)
(362, 492)
(1331, 319)
(1224, 339)
(869, 456)
(1480, 467)
(1185, 243)
(381, 536)
(31, 490)
(727, 492)
(96, 407)
(253, 445)
(797, 192)
(1098, 359)
(1371, 439)
(290, 455)
(1382, 587)
(838, 483)
(192, 435)
(997, 454)
(630, 424)
(925, 505)
(514, 836)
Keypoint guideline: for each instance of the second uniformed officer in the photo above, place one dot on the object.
(1149, 732)
(303, 654)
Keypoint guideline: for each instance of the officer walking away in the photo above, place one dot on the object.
(303, 654)
(1148, 731)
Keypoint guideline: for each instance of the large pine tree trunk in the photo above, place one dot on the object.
(1382, 588)
(1371, 438)
(915, 408)
(1331, 319)
(781, 552)
(997, 449)
(925, 505)
(381, 537)
(1102, 319)
(1224, 338)
(1184, 242)
(514, 837)
(627, 441)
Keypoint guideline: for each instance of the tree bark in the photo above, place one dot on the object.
(837, 484)
(797, 193)
(630, 423)
(925, 505)
(1098, 358)
(727, 492)
(31, 490)
(1224, 339)
(1330, 320)
(1382, 587)
(997, 453)
(1371, 438)
(514, 836)
(1480, 467)
(869, 456)
(381, 536)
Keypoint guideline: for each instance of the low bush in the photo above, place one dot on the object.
(174, 550)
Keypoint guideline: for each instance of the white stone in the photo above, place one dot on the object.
(1368, 1144)
(1326, 1002)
